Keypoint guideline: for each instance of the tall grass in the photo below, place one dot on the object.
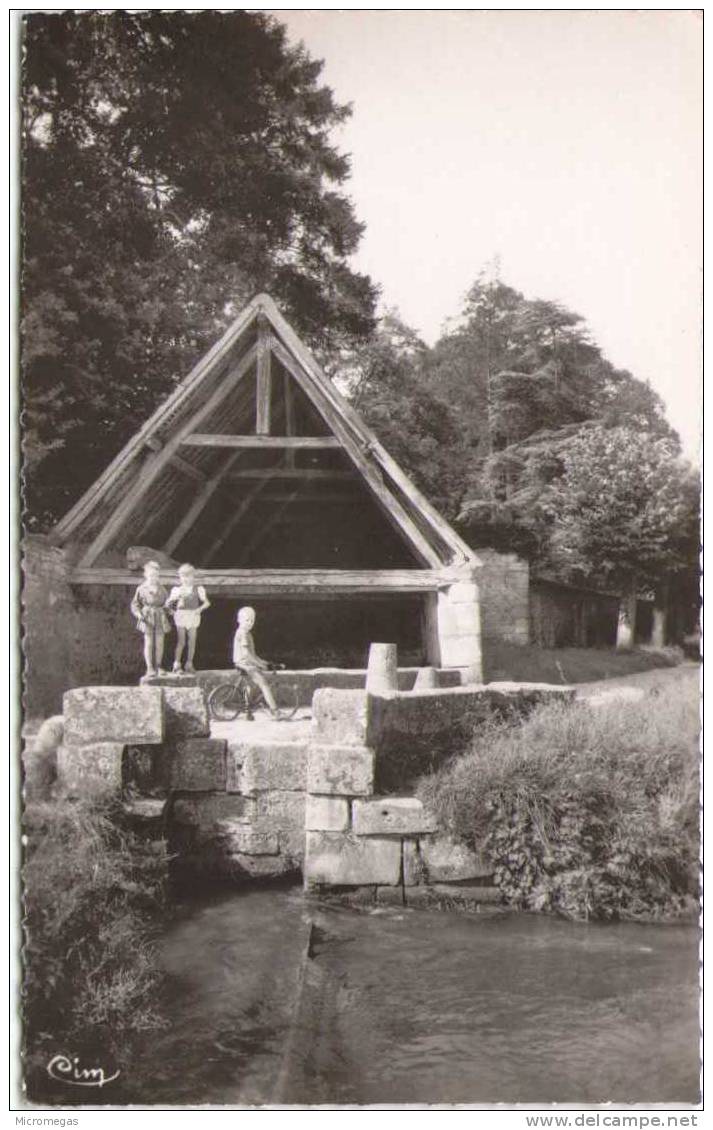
(589, 812)
(92, 894)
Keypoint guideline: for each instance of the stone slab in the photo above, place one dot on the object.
(198, 765)
(91, 770)
(258, 767)
(467, 893)
(145, 808)
(185, 712)
(243, 839)
(327, 814)
(206, 811)
(114, 714)
(342, 770)
(340, 716)
(447, 860)
(390, 815)
(340, 859)
(247, 866)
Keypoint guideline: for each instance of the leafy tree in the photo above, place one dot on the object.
(620, 512)
(529, 376)
(385, 380)
(173, 165)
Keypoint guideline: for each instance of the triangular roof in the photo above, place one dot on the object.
(226, 402)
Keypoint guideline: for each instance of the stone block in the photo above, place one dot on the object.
(114, 714)
(465, 894)
(284, 814)
(210, 810)
(185, 712)
(390, 896)
(340, 859)
(342, 770)
(463, 592)
(198, 765)
(327, 814)
(258, 767)
(418, 896)
(245, 840)
(414, 873)
(242, 865)
(447, 860)
(340, 716)
(90, 770)
(390, 815)
(460, 651)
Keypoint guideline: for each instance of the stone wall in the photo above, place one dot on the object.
(364, 840)
(504, 581)
(71, 635)
(229, 809)
(415, 733)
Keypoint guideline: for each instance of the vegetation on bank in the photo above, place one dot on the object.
(589, 812)
(92, 893)
(532, 664)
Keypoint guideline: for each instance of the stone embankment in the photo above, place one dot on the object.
(326, 797)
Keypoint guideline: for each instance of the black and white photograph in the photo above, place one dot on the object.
(358, 395)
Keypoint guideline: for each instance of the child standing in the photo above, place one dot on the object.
(189, 600)
(245, 657)
(148, 608)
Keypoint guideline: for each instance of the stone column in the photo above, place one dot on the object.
(382, 669)
(453, 632)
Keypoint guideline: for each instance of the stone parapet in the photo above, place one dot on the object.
(114, 714)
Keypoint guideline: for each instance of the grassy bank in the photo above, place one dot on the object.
(93, 893)
(587, 812)
(569, 664)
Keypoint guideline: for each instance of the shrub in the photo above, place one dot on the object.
(582, 811)
(93, 890)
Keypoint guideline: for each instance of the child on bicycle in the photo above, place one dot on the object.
(246, 659)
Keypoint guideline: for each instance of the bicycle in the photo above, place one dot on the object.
(240, 696)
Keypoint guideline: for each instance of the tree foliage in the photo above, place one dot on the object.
(174, 164)
(620, 507)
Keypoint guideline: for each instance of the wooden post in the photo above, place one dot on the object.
(263, 393)
(289, 415)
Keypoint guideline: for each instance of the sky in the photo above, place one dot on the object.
(568, 144)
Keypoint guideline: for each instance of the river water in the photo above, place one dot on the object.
(415, 1006)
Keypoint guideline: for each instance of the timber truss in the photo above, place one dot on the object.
(256, 422)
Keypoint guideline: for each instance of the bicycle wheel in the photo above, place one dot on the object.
(225, 702)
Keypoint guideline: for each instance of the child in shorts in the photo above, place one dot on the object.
(148, 608)
(186, 601)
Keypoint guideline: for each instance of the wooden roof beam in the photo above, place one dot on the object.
(188, 469)
(306, 473)
(203, 439)
(150, 473)
(287, 582)
(199, 503)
